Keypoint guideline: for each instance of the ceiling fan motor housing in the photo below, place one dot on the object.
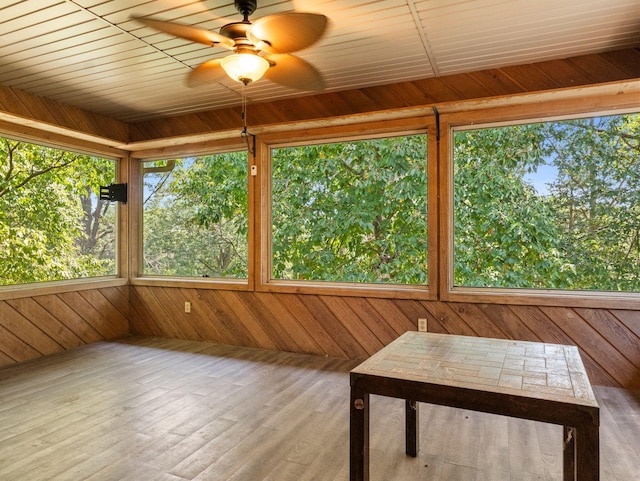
(246, 7)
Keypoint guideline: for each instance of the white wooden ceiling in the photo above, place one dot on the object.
(90, 54)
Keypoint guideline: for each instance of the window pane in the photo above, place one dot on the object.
(351, 211)
(549, 205)
(53, 226)
(195, 216)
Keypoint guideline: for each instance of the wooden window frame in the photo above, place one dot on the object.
(75, 144)
(610, 98)
(135, 263)
(561, 109)
(262, 209)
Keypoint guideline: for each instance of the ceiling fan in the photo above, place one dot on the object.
(261, 48)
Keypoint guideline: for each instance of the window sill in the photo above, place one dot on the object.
(386, 291)
(56, 287)
(545, 297)
(192, 283)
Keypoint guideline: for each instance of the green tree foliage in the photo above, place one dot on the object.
(596, 198)
(195, 216)
(581, 234)
(51, 223)
(351, 211)
(504, 232)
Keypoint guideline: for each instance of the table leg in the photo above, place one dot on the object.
(581, 453)
(411, 428)
(359, 436)
(569, 454)
(588, 452)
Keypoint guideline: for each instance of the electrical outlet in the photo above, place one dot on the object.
(187, 307)
(422, 325)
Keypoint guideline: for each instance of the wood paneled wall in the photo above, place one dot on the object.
(31, 327)
(335, 326)
(356, 327)
(542, 76)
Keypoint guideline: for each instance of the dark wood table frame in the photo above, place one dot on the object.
(528, 380)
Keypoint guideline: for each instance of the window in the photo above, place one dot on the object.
(351, 211)
(551, 205)
(195, 216)
(53, 226)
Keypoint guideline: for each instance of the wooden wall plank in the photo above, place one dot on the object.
(506, 318)
(156, 305)
(231, 330)
(298, 308)
(4, 359)
(545, 328)
(627, 60)
(108, 311)
(482, 324)
(305, 341)
(31, 327)
(46, 322)
(280, 335)
(15, 322)
(377, 322)
(392, 314)
(356, 325)
(141, 320)
(337, 330)
(265, 339)
(119, 298)
(448, 319)
(14, 102)
(199, 319)
(530, 78)
(14, 348)
(497, 82)
(60, 310)
(616, 340)
(77, 302)
(629, 319)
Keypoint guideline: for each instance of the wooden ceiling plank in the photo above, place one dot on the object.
(30, 43)
(17, 104)
(598, 68)
(39, 17)
(627, 60)
(497, 82)
(564, 72)
(530, 78)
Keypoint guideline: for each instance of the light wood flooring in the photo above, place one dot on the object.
(147, 409)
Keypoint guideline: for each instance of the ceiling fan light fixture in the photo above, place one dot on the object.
(245, 67)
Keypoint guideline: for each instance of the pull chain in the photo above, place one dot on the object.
(244, 110)
(245, 133)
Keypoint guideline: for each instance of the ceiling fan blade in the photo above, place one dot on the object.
(287, 32)
(292, 71)
(208, 72)
(187, 32)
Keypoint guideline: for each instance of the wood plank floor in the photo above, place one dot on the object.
(148, 409)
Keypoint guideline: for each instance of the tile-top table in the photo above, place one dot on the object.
(528, 380)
